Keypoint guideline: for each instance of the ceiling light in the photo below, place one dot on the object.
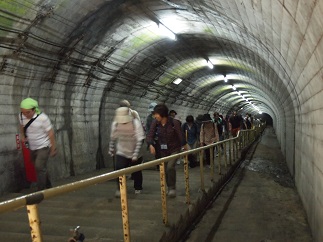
(177, 81)
(209, 63)
(165, 31)
(225, 78)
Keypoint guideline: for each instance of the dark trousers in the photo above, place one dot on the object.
(221, 137)
(207, 155)
(123, 162)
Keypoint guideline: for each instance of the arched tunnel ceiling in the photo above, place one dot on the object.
(116, 45)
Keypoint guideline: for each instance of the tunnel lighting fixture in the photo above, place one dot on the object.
(209, 63)
(166, 32)
(225, 78)
(177, 81)
(233, 87)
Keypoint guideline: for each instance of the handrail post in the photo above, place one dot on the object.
(248, 137)
(234, 146)
(237, 149)
(230, 152)
(163, 192)
(219, 158)
(245, 139)
(240, 141)
(225, 155)
(201, 171)
(187, 183)
(211, 150)
(124, 207)
(34, 223)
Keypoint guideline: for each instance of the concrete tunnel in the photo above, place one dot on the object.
(80, 58)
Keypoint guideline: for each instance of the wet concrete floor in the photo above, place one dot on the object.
(259, 204)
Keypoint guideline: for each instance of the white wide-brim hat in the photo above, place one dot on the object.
(122, 115)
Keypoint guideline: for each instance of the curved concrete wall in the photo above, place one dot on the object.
(79, 58)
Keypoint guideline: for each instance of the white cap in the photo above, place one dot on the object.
(152, 106)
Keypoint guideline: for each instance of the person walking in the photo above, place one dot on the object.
(191, 133)
(149, 121)
(219, 124)
(170, 140)
(37, 133)
(236, 122)
(150, 117)
(209, 134)
(128, 133)
(133, 113)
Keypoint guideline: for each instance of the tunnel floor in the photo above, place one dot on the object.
(260, 203)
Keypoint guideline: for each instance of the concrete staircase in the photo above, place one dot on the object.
(98, 212)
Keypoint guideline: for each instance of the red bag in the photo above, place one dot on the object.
(29, 166)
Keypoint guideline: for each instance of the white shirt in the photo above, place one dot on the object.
(37, 132)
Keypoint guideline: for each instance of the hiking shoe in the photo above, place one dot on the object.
(172, 193)
(137, 191)
(117, 194)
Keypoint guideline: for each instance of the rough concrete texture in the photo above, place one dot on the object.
(259, 204)
(78, 58)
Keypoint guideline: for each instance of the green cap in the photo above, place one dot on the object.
(30, 103)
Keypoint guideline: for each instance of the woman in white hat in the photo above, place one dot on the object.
(128, 133)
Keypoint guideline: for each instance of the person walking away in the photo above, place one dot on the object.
(36, 130)
(236, 121)
(126, 140)
(190, 131)
(219, 124)
(172, 113)
(149, 121)
(248, 121)
(150, 117)
(208, 135)
(170, 139)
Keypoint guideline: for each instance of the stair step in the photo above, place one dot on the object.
(98, 212)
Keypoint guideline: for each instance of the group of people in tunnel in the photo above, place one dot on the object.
(163, 134)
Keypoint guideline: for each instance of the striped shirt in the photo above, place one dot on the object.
(129, 137)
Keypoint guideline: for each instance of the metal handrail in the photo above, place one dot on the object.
(32, 200)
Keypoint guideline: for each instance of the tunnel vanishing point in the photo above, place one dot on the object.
(78, 58)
